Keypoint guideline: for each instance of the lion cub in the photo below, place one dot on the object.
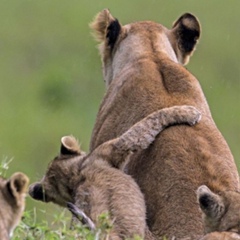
(221, 213)
(12, 202)
(95, 186)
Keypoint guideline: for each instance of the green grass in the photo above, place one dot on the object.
(30, 229)
(58, 228)
(4, 166)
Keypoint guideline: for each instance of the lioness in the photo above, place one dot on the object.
(221, 212)
(94, 186)
(12, 203)
(142, 68)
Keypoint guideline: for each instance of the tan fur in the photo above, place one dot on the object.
(101, 25)
(143, 73)
(220, 211)
(71, 144)
(12, 203)
(94, 186)
(221, 236)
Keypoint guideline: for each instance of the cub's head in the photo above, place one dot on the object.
(120, 45)
(57, 184)
(221, 212)
(12, 201)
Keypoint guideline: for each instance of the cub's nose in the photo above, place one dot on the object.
(36, 192)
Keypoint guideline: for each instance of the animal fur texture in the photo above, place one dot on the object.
(143, 71)
(12, 203)
(95, 186)
(220, 211)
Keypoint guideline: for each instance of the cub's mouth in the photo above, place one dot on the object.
(37, 192)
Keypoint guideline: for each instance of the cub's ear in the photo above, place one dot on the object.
(106, 28)
(17, 186)
(210, 203)
(187, 31)
(69, 146)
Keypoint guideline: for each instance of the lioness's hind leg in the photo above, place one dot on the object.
(144, 132)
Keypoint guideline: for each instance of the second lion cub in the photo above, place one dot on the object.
(95, 186)
(12, 203)
(221, 213)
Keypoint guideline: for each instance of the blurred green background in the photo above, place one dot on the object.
(51, 80)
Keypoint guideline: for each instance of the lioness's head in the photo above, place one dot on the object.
(221, 211)
(121, 45)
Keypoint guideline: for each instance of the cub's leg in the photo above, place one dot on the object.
(144, 132)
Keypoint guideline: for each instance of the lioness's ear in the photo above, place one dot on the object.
(106, 28)
(187, 31)
(210, 203)
(69, 146)
(17, 186)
